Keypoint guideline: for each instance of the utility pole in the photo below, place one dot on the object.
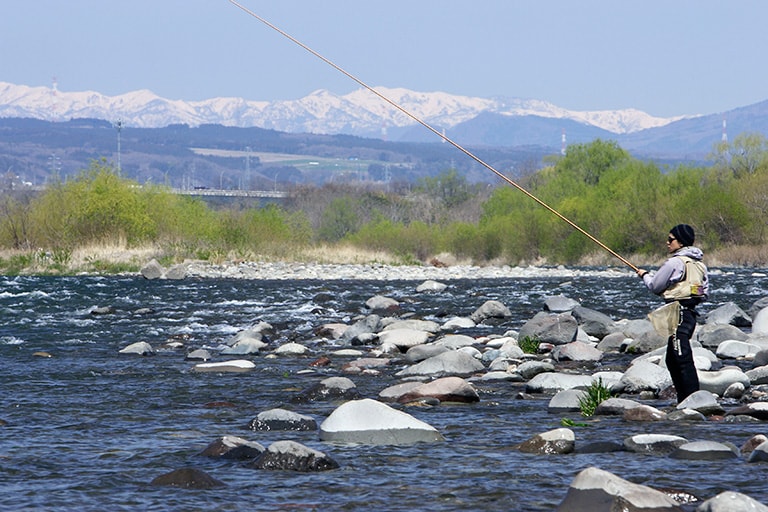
(119, 127)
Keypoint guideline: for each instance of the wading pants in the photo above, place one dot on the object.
(679, 357)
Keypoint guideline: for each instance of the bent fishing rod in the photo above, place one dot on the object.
(436, 132)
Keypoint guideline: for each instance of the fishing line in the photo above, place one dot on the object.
(436, 132)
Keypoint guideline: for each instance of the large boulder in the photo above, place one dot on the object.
(557, 329)
(596, 490)
(729, 314)
(371, 422)
(594, 323)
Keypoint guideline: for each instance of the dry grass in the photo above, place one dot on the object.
(111, 257)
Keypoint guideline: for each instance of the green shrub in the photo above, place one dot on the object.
(595, 394)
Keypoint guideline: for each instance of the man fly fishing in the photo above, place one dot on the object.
(683, 283)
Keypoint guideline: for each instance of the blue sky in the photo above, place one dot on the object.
(665, 57)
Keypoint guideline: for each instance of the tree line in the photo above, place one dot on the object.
(626, 203)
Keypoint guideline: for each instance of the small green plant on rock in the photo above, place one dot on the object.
(529, 344)
(596, 393)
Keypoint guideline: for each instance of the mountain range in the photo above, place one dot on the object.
(489, 123)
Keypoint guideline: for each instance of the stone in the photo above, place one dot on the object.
(711, 335)
(643, 413)
(371, 422)
(152, 270)
(596, 490)
(443, 365)
(730, 501)
(758, 376)
(446, 389)
(758, 410)
(552, 382)
(654, 444)
(431, 286)
(419, 353)
(141, 348)
(594, 323)
(734, 349)
(643, 376)
(233, 448)
(567, 400)
(759, 453)
(490, 309)
(557, 441)
(702, 401)
(760, 322)
(615, 406)
(176, 272)
(752, 443)
(332, 388)
(187, 478)
(403, 338)
(560, 304)
(379, 303)
(293, 456)
(200, 354)
(728, 314)
(576, 351)
(410, 323)
(530, 369)
(456, 323)
(705, 450)
(557, 329)
(282, 420)
(717, 382)
(456, 341)
(291, 349)
(235, 366)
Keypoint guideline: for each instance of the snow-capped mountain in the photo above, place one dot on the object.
(360, 112)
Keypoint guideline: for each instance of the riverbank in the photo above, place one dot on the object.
(336, 262)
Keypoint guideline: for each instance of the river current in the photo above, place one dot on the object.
(89, 429)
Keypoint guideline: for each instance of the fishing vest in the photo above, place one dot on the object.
(692, 283)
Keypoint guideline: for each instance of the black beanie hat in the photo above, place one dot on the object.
(684, 234)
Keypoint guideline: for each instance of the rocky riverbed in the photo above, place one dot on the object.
(375, 386)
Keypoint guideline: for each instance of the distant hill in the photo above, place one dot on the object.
(357, 136)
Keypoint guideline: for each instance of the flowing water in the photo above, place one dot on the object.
(88, 428)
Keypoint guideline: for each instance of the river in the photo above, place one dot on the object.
(88, 428)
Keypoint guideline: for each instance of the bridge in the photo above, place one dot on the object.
(214, 192)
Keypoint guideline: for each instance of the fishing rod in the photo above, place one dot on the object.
(436, 132)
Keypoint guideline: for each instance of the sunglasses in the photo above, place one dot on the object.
(671, 239)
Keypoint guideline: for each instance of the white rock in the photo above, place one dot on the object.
(374, 423)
